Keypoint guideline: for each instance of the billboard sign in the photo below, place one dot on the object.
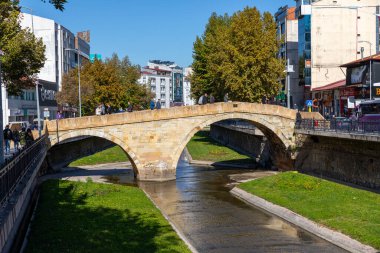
(95, 56)
(47, 92)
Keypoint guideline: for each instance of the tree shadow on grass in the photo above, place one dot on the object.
(66, 222)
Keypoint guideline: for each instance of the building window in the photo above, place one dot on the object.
(162, 88)
(162, 81)
(163, 96)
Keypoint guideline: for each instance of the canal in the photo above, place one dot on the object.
(201, 207)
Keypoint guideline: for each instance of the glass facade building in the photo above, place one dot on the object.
(304, 49)
(304, 41)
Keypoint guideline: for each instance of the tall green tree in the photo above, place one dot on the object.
(113, 82)
(24, 53)
(237, 54)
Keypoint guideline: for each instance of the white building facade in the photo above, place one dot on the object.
(56, 39)
(187, 100)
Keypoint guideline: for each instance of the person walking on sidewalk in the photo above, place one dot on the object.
(16, 140)
(8, 136)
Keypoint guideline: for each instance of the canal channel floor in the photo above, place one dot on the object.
(200, 205)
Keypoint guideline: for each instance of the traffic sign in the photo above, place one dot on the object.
(309, 103)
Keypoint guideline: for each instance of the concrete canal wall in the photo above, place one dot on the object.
(353, 161)
(247, 141)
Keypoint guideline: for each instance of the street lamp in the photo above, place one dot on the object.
(1, 117)
(37, 93)
(370, 66)
(79, 91)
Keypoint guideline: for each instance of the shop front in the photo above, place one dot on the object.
(326, 99)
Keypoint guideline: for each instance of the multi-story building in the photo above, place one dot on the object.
(287, 32)
(61, 56)
(165, 80)
(331, 33)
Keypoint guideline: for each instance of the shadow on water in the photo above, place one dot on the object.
(68, 223)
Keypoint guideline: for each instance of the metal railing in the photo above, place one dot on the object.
(240, 124)
(344, 126)
(13, 172)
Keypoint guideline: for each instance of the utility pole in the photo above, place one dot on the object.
(1, 117)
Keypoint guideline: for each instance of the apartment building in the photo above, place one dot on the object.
(287, 33)
(165, 80)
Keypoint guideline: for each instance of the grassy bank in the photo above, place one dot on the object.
(91, 217)
(351, 211)
(203, 147)
(111, 155)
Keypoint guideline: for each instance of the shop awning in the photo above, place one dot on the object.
(332, 86)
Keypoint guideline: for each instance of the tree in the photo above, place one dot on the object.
(24, 53)
(112, 82)
(237, 55)
(58, 4)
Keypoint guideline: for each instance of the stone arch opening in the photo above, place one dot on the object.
(279, 140)
(70, 139)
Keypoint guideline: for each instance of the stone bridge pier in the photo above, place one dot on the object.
(154, 140)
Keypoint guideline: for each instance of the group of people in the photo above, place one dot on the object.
(19, 138)
(155, 105)
(204, 99)
(103, 109)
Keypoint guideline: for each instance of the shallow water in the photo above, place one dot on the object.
(201, 207)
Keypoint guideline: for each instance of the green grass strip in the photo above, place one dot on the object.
(111, 155)
(91, 217)
(351, 211)
(203, 147)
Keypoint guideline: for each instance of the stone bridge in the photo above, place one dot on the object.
(154, 140)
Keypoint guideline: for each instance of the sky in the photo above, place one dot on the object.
(144, 29)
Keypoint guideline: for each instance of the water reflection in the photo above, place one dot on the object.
(200, 205)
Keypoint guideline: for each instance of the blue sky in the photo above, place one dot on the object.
(145, 29)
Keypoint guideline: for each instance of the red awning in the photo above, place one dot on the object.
(331, 86)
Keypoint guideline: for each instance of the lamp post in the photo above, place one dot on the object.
(370, 66)
(79, 90)
(37, 93)
(1, 117)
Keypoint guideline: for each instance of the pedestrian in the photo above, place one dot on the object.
(8, 136)
(225, 99)
(22, 136)
(158, 104)
(109, 109)
(204, 99)
(130, 107)
(151, 104)
(212, 99)
(29, 137)
(103, 109)
(98, 110)
(200, 100)
(16, 140)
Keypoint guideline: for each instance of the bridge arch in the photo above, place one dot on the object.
(280, 141)
(133, 158)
